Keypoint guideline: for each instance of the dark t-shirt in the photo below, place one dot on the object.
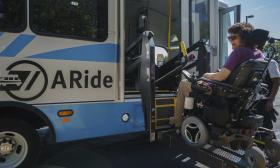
(240, 55)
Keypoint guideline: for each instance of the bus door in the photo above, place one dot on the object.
(163, 19)
(228, 16)
(147, 83)
(165, 22)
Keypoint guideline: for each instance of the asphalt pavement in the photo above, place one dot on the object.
(124, 155)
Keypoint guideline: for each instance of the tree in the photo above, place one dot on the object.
(277, 46)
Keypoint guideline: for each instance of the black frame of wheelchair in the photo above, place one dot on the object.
(149, 77)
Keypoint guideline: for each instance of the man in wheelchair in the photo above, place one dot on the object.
(243, 50)
(222, 108)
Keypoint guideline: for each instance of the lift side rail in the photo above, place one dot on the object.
(147, 82)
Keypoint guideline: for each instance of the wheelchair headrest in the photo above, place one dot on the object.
(259, 37)
(248, 73)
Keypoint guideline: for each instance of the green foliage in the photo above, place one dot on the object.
(277, 46)
(64, 17)
(12, 14)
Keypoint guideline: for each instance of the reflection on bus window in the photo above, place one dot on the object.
(81, 19)
(227, 20)
(175, 38)
(167, 34)
(12, 15)
(200, 27)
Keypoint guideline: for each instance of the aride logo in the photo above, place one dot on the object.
(27, 80)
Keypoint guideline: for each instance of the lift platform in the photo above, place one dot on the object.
(210, 155)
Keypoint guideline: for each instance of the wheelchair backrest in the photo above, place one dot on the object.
(247, 74)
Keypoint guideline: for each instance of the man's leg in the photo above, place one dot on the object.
(183, 92)
(267, 122)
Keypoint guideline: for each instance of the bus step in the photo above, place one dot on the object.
(164, 110)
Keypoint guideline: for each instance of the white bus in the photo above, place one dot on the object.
(87, 71)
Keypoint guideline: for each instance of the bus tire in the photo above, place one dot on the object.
(20, 144)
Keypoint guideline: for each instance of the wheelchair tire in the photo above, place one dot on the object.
(255, 158)
(272, 150)
(194, 132)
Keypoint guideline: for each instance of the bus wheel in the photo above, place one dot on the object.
(19, 144)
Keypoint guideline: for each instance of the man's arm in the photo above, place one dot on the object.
(273, 94)
(274, 74)
(218, 76)
(232, 62)
(275, 88)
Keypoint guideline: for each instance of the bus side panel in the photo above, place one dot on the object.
(78, 72)
(39, 65)
(93, 120)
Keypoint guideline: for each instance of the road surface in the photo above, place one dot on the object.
(129, 155)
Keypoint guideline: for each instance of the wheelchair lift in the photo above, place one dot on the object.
(209, 155)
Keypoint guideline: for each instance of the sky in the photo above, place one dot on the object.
(266, 12)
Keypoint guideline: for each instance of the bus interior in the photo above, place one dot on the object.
(163, 18)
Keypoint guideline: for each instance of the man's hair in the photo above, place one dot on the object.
(244, 30)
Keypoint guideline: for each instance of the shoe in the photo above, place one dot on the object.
(172, 121)
(178, 132)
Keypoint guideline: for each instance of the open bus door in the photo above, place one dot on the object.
(158, 98)
(228, 17)
(147, 82)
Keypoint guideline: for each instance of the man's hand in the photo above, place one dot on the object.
(207, 75)
(269, 105)
(218, 76)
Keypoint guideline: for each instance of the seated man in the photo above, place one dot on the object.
(243, 50)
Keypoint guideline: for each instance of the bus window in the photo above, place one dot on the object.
(200, 27)
(174, 28)
(78, 19)
(175, 34)
(165, 21)
(228, 16)
(12, 15)
(227, 20)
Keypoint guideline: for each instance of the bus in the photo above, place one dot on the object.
(85, 69)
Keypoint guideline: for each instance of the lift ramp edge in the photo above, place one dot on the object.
(210, 155)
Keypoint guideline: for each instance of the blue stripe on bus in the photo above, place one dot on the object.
(95, 120)
(17, 45)
(97, 52)
(1, 33)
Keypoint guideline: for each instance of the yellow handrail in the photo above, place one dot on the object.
(169, 25)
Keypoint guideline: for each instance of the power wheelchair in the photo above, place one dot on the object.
(225, 113)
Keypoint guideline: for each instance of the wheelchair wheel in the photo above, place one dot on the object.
(194, 132)
(255, 158)
(272, 150)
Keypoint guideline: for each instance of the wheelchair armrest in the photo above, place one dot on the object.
(217, 83)
(264, 85)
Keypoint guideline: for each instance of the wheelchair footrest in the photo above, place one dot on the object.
(229, 156)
